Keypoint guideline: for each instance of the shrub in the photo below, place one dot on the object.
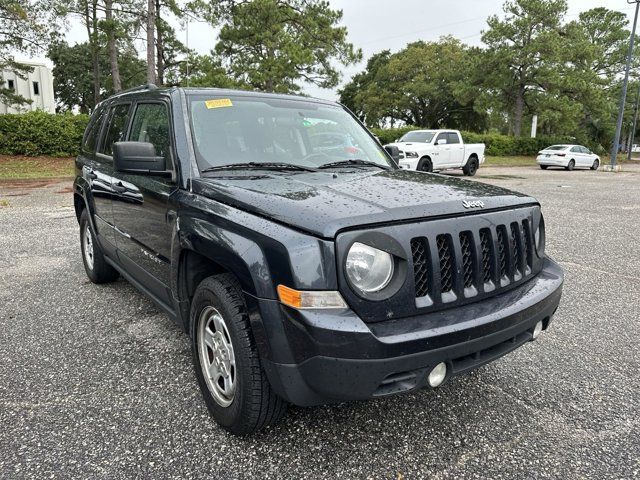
(39, 133)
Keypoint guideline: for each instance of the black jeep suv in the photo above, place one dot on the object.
(304, 264)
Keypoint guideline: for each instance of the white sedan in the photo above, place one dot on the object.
(568, 156)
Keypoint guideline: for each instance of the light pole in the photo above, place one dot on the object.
(623, 96)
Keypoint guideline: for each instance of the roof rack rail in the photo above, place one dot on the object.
(148, 86)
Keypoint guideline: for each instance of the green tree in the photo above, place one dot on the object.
(420, 85)
(350, 93)
(73, 82)
(273, 45)
(24, 27)
(523, 51)
(201, 71)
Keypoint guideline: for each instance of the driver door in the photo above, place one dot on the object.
(442, 159)
(143, 214)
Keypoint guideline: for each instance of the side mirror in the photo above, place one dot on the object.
(442, 141)
(138, 158)
(394, 152)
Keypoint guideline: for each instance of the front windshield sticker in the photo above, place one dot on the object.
(218, 103)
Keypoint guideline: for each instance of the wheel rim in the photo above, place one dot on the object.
(217, 357)
(596, 164)
(87, 241)
(473, 168)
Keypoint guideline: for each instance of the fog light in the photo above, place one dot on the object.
(437, 375)
(537, 330)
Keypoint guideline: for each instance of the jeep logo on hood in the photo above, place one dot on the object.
(472, 204)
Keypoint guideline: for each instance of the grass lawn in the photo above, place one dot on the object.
(32, 168)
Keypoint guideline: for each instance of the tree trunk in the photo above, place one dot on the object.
(91, 22)
(519, 111)
(112, 47)
(159, 45)
(151, 58)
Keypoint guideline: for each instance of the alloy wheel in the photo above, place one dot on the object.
(217, 357)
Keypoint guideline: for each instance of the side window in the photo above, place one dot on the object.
(442, 136)
(453, 138)
(93, 130)
(584, 150)
(576, 149)
(151, 124)
(116, 128)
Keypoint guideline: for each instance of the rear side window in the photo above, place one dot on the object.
(116, 128)
(151, 124)
(453, 138)
(93, 130)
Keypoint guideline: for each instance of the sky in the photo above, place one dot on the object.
(376, 25)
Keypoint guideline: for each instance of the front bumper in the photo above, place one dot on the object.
(337, 357)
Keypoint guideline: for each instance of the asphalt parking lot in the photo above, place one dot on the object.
(95, 382)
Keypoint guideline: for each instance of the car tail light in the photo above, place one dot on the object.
(561, 154)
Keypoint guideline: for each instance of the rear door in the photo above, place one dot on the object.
(143, 217)
(577, 155)
(98, 170)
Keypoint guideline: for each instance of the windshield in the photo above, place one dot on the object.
(234, 130)
(418, 136)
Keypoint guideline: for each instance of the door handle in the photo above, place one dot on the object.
(90, 174)
(118, 187)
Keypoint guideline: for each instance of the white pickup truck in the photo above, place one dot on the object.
(429, 150)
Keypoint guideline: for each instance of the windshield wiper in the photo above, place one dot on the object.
(354, 161)
(260, 166)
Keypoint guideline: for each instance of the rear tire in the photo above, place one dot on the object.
(230, 354)
(471, 167)
(97, 268)
(425, 165)
(571, 165)
(596, 164)
(544, 167)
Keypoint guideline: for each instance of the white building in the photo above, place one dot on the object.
(37, 86)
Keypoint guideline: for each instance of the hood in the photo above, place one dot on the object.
(323, 203)
(410, 145)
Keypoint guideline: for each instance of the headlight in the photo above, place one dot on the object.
(539, 237)
(411, 154)
(368, 269)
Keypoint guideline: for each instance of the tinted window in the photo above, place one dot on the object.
(116, 129)
(442, 136)
(93, 130)
(453, 138)
(576, 149)
(151, 124)
(556, 147)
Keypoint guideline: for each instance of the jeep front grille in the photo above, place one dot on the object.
(470, 262)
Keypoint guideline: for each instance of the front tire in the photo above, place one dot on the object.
(596, 164)
(471, 167)
(95, 265)
(425, 165)
(226, 359)
(544, 167)
(571, 165)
